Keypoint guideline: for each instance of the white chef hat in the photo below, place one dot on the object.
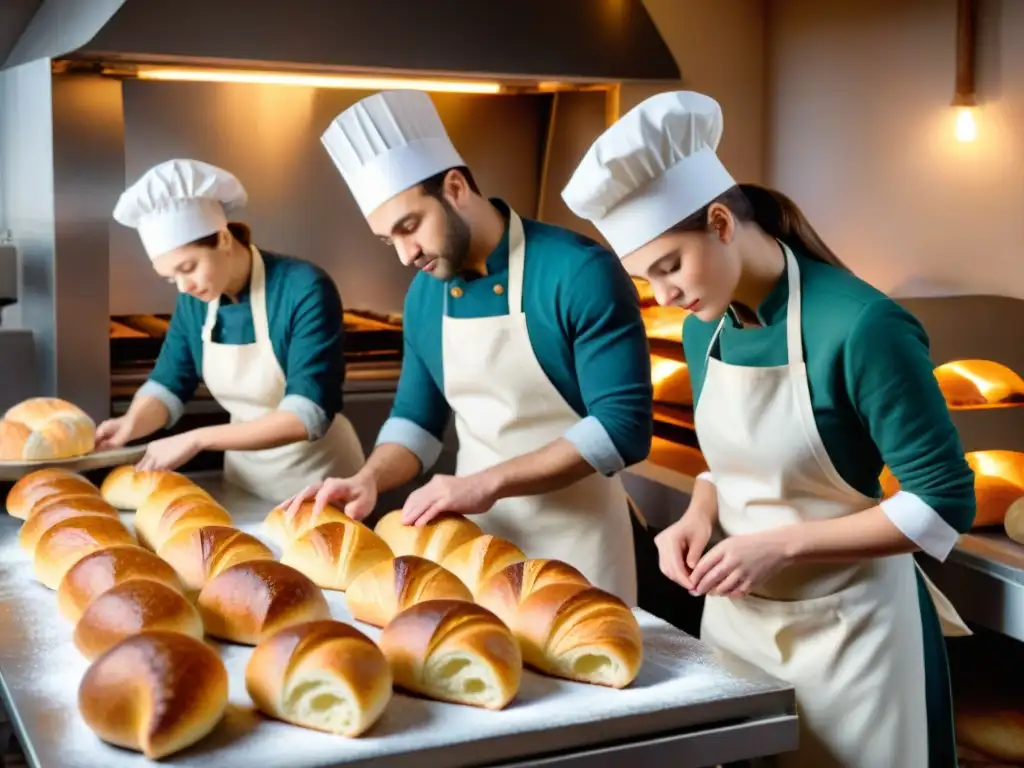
(387, 143)
(178, 202)
(651, 169)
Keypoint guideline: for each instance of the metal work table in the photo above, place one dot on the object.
(685, 708)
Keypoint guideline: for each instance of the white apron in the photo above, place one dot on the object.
(248, 382)
(847, 636)
(504, 407)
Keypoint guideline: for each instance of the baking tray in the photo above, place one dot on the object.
(15, 470)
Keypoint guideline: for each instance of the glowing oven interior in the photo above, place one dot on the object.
(979, 384)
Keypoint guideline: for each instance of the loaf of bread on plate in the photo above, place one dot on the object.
(155, 693)
(380, 592)
(171, 508)
(132, 607)
(479, 559)
(67, 542)
(322, 675)
(42, 485)
(432, 541)
(251, 601)
(282, 528)
(454, 651)
(49, 513)
(45, 428)
(566, 628)
(98, 571)
(200, 554)
(332, 554)
(127, 488)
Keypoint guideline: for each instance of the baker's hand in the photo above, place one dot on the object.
(113, 433)
(739, 564)
(170, 452)
(681, 545)
(469, 495)
(356, 496)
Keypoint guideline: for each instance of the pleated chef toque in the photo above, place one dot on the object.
(178, 202)
(651, 169)
(388, 143)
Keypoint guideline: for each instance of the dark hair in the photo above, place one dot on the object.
(775, 213)
(241, 232)
(434, 186)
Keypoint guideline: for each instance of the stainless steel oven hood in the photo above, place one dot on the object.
(569, 40)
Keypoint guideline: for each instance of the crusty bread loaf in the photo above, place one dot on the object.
(282, 528)
(132, 607)
(322, 675)
(455, 651)
(332, 554)
(45, 484)
(380, 592)
(46, 515)
(45, 428)
(155, 692)
(251, 601)
(997, 732)
(200, 554)
(127, 488)
(67, 542)
(476, 561)
(432, 541)
(1013, 524)
(154, 517)
(566, 628)
(98, 571)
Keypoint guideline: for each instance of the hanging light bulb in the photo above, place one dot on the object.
(966, 128)
(964, 96)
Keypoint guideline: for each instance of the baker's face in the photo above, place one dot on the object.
(427, 232)
(697, 271)
(197, 270)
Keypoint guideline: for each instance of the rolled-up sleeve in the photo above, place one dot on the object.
(315, 365)
(613, 366)
(175, 375)
(892, 385)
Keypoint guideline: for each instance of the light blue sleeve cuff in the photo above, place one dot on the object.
(175, 408)
(595, 446)
(411, 435)
(313, 417)
(921, 524)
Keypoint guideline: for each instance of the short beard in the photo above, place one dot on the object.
(455, 250)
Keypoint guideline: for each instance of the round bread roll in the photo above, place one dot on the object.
(155, 520)
(67, 542)
(382, 591)
(332, 554)
(155, 692)
(59, 508)
(200, 554)
(282, 528)
(453, 651)
(998, 733)
(44, 429)
(132, 607)
(98, 571)
(476, 561)
(322, 675)
(433, 541)
(251, 601)
(45, 484)
(1014, 522)
(126, 488)
(566, 628)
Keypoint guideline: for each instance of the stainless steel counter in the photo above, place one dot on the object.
(685, 708)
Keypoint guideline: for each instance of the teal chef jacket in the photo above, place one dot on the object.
(876, 403)
(584, 323)
(304, 312)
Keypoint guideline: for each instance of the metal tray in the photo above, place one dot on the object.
(15, 470)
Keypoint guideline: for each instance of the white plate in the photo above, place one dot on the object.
(15, 470)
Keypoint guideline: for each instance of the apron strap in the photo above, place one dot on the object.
(794, 332)
(516, 262)
(211, 320)
(258, 298)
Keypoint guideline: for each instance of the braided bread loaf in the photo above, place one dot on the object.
(380, 592)
(332, 554)
(45, 428)
(432, 541)
(198, 555)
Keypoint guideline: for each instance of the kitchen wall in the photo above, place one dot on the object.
(860, 133)
(269, 136)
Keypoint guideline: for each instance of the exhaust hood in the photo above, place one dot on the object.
(566, 40)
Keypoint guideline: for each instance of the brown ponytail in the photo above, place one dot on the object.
(773, 212)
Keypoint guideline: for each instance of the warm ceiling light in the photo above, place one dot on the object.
(352, 82)
(964, 100)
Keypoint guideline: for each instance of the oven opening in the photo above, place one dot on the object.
(979, 384)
